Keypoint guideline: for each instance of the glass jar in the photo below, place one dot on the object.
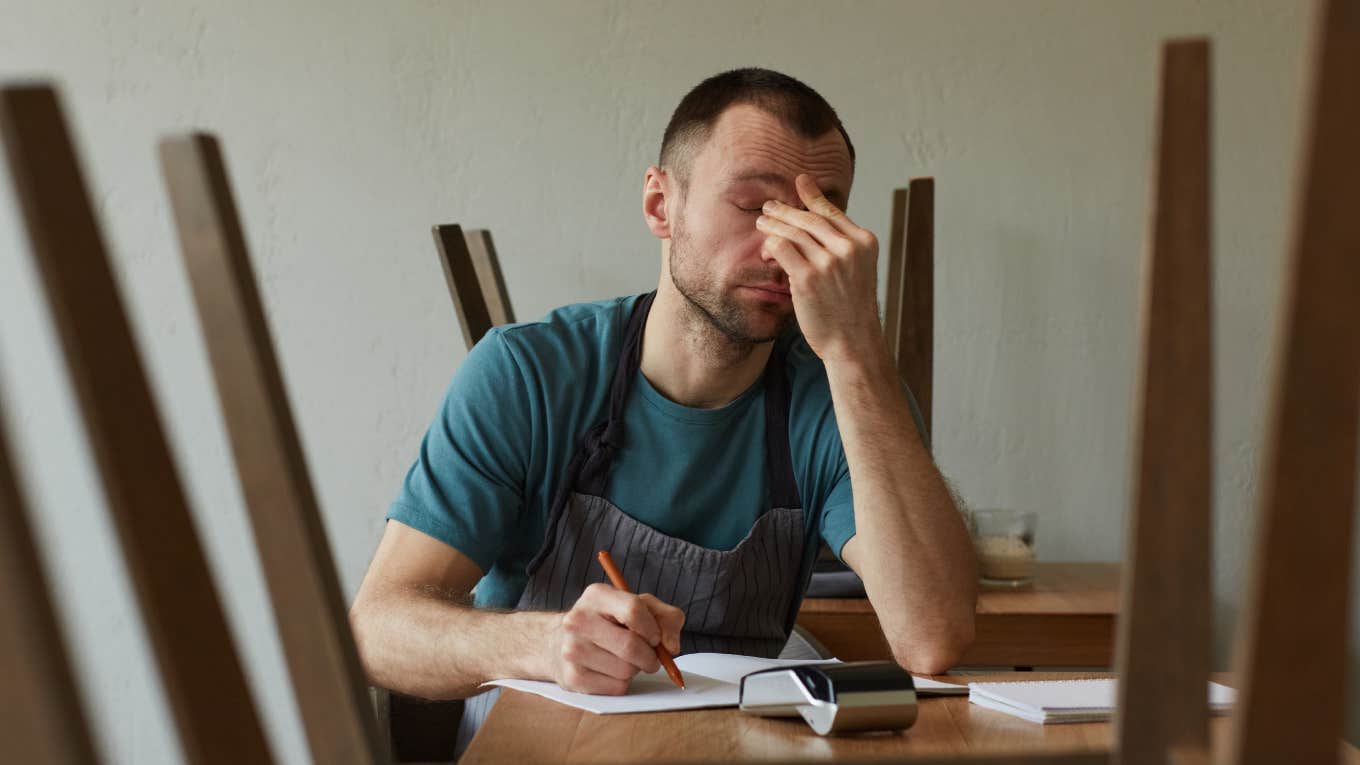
(1004, 541)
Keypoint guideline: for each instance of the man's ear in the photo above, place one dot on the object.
(658, 188)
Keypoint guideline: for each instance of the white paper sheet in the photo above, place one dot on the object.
(1059, 701)
(711, 680)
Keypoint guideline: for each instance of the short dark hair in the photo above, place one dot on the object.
(795, 104)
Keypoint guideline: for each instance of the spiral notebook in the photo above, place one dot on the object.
(1067, 701)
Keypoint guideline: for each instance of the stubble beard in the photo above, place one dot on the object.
(707, 299)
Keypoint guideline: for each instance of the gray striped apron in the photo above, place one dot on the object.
(742, 600)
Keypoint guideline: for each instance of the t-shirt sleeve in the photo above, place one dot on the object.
(838, 513)
(466, 487)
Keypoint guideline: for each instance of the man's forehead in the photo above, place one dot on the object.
(750, 145)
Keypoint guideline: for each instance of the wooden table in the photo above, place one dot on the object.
(1065, 619)
(526, 728)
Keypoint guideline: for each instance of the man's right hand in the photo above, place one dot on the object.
(608, 636)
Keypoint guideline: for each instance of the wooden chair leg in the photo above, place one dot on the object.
(488, 266)
(42, 720)
(460, 272)
(1164, 629)
(897, 245)
(309, 608)
(915, 349)
(1292, 636)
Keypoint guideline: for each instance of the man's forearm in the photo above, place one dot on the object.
(911, 545)
(424, 644)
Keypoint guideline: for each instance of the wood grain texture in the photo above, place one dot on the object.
(42, 721)
(1292, 634)
(488, 267)
(915, 333)
(309, 609)
(465, 288)
(205, 686)
(1164, 636)
(1066, 618)
(1016, 640)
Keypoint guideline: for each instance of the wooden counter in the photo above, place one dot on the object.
(1064, 619)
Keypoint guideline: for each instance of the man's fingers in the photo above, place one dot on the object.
(582, 680)
(600, 629)
(671, 619)
(811, 249)
(816, 201)
(789, 258)
(619, 641)
(832, 238)
(583, 653)
(626, 609)
(626, 645)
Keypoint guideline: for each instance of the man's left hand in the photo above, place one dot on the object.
(832, 265)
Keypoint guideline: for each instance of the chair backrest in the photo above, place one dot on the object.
(1291, 660)
(909, 313)
(42, 721)
(1163, 648)
(465, 283)
(199, 667)
(309, 608)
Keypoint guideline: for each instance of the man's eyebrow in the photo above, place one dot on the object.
(775, 179)
(756, 175)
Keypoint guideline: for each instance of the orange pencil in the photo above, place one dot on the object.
(616, 578)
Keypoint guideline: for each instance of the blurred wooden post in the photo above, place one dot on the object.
(1291, 662)
(309, 608)
(909, 320)
(42, 720)
(464, 286)
(205, 685)
(1164, 626)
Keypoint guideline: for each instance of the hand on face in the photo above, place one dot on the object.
(608, 636)
(832, 265)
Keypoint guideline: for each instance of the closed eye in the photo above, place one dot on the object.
(752, 210)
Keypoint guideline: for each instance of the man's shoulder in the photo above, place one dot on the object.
(575, 334)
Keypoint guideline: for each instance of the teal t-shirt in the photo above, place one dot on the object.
(491, 461)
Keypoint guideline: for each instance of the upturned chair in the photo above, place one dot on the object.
(476, 284)
(200, 669)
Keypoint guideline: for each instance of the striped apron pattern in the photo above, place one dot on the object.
(742, 600)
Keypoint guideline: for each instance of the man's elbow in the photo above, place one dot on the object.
(366, 624)
(934, 651)
(361, 627)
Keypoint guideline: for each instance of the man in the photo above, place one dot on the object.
(699, 434)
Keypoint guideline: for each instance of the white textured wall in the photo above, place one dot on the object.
(352, 127)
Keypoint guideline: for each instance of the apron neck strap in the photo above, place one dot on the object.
(588, 471)
(604, 440)
(778, 456)
(630, 361)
